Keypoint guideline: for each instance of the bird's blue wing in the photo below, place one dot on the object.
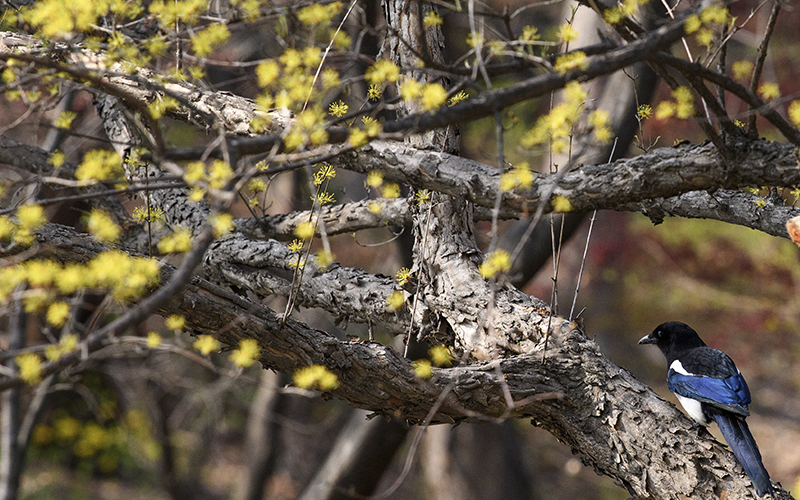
(729, 393)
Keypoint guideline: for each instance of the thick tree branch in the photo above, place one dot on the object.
(733, 207)
(664, 172)
(596, 403)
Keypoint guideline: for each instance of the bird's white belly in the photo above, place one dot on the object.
(693, 408)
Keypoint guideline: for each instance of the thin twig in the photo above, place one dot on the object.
(418, 434)
(762, 56)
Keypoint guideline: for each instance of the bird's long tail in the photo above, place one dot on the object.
(738, 436)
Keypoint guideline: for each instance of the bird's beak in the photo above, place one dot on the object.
(647, 339)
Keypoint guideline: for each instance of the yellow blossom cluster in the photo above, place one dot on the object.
(439, 356)
(291, 82)
(307, 129)
(206, 344)
(625, 8)
(206, 41)
(497, 262)
(703, 24)
(520, 176)
(403, 275)
(323, 259)
(561, 204)
(769, 90)
(794, 113)
(60, 18)
(216, 176)
(99, 165)
(316, 377)
(102, 227)
(318, 14)
(573, 60)
(395, 301)
(179, 241)
(370, 128)
(247, 353)
(30, 367)
(429, 96)
(67, 344)
(422, 368)
(742, 69)
(432, 19)
(29, 218)
(682, 107)
(557, 125)
(122, 275)
(148, 214)
(222, 223)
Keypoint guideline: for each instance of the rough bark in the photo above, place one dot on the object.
(616, 424)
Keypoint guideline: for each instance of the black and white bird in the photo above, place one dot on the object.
(710, 387)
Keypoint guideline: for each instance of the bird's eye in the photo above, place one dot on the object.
(659, 334)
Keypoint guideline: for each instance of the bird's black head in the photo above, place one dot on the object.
(673, 338)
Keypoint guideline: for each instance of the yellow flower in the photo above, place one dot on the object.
(316, 376)
(222, 223)
(65, 119)
(323, 259)
(338, 108)
(31, 217)
(410, 89)
(390, 190)
(57, 159)
(692, 24)
(457, 98)
(219, 173)
(357, 138)
(374, 179)
(433, 96)
(175, 322)
(495, 263)
(794, 113)
(561, 204)
(567, 33)
(769, 90)
(382, 71)
(520, 176)
(99, 165)
(644, 111)
(295, 246)
(374, 92)
(30, 367)
(665, 109)
(742, 69)
(432, 19)
(403, 275)
(305, 230)
(206, 344)
(247, 353)
(57, 313)
(422, 368)
(67, 344)
(102, 227)
(395, 301)
(179, 241)
(153, 340)
(571, 61)
(441, 355)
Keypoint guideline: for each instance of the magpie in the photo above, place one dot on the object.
(710, 387)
